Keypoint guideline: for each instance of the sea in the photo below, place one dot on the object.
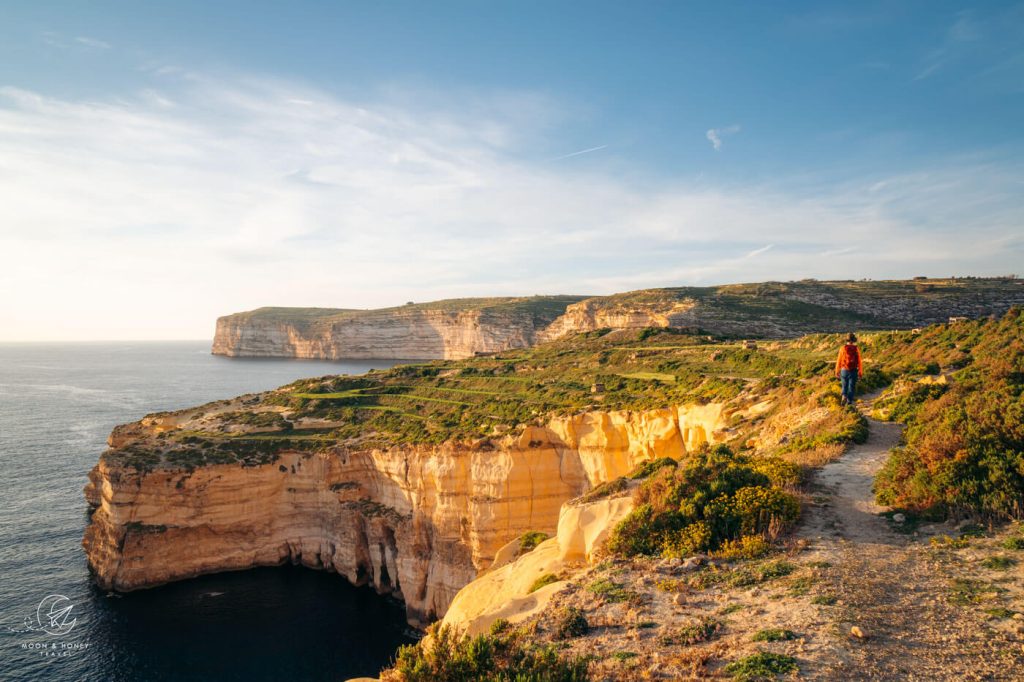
(58, 403)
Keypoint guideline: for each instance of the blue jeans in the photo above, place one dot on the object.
(849, 380)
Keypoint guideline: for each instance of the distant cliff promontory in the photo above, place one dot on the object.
(460, 328)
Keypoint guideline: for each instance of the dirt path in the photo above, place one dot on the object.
(848, 481)
(891, 586)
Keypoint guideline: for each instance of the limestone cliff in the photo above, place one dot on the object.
(441, 330)
(466, 327)
(605, 313)
(419, 522)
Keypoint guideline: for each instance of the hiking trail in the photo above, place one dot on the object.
(889, 585)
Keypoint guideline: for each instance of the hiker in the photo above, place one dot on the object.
(849, 367)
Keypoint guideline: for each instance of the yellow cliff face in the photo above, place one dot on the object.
(506, 592)
(405, 334)
(417, 522)
(592, 314)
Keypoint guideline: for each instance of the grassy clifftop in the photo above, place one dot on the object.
(757, 309)
(544, 308)
(476, 399)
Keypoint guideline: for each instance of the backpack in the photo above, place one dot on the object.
(852, 356)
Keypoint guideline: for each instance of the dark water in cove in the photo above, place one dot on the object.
(58, 403)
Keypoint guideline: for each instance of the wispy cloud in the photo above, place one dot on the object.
(203, 196)
(964, 31)
(582, 151)
(715, 135)
(93, 42)
(757, 252)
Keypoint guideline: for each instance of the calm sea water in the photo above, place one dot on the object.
(58, 403)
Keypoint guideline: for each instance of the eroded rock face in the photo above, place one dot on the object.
(507, 591)
(398, 334)
(417, 522)
(594, 313)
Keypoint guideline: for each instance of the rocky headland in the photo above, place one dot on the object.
(462, 328)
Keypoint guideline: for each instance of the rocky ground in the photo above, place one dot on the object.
(854, 596)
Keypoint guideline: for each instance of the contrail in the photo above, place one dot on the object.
(582, 151)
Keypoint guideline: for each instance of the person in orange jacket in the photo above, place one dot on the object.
(849, 368)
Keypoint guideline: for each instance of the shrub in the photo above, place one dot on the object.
(503, 654)
(761, 666)
(571, 623)
(1013, 543)
(964, 449)
(774, 635)
(546, 579)
(529, 540)
(610, 590)
(716, 497)
(702, 631)
(604, 490)
(778, 471)
(998, 563)
(746, 547)
(648, 468)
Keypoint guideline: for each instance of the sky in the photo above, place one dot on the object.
(161, 165)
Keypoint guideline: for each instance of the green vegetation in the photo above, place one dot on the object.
(964, 449)
(478, 398)
(1000, 612)
(967, 591)
(963, 456)
(1014, 543)
(544, 308)
(610, 590)
(802, 585)
(761, 666)
(998, 563)
(653, 376)
(746, 547)
(824, 599)
(139, 527)
(270, 420)
(648, 468)
(703, 630)
(715, 498)
(529, 540)
(743, 575)
(604, 490)
(546, 579)
(505, 653)
(571, 623)
(774, 635)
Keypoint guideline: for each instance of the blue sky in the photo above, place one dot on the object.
(163, 165)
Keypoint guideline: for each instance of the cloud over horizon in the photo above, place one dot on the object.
(149, 215)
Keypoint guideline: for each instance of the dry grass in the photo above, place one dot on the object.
(816, 457)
